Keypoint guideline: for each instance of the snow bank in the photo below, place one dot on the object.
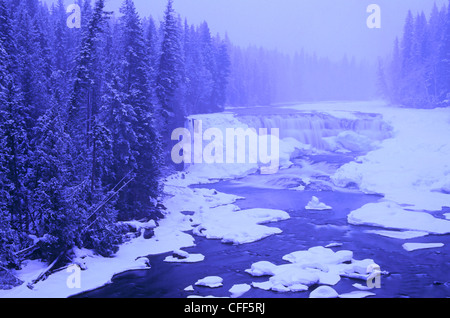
(316, 205)
(393, 216)
(412, 168)
(99, 270)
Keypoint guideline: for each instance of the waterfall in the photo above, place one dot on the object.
(318, 129)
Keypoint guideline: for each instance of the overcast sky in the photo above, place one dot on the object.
(328, 27)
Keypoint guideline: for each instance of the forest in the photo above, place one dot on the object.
(86, 114)
(417, 74)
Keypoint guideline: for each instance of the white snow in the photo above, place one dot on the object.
(239, 290)
(419, 246)
(190, 258)
(324, 292)
(357, 294)
(317, 265)
(362, 287)
(210, 281)
(233, 226)
(402, 235)
(393, 216)
(190, 288)
(412, 167)
(334, 245)
(262, 268)
(411, 170)
(316, 205)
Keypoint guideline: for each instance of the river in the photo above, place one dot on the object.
(422, 273)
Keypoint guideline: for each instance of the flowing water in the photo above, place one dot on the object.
(424, 273)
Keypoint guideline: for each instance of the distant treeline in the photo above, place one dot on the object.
(418, 72)
(263, 77)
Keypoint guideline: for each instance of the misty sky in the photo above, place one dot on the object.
(330, 28)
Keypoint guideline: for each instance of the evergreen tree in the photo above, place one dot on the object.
(131, 118)
(168, 77)
(444, 61)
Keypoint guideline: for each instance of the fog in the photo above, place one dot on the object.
(339, 52)
(327, 27)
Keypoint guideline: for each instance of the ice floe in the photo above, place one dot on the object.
(235, 226)
(239, 289)
(317, 265)
(393, 216)
(402, 235)
(316, 205)
(210, 281)
(420, 246)
(324, 292)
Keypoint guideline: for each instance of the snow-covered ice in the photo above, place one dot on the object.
(391, 215)
(324, 292)
(190, 288)
(184, 258)
(412, 167)
(239, 289)
(316, 205)
(234, 226)
(420, 246)
(402, 235)
(210, 281)
(357, 294)
(317, 265)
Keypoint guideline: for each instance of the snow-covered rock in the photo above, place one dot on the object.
(210, 281)
(324, 292)
(317, 265)
(354, 142)
(186, 258)
(316, 205)
(262, 268)
(239, 290)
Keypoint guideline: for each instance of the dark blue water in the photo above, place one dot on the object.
(412, 274)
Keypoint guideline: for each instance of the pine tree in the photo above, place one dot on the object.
(222, 73)
(198, 80)
(444, 61)
(168, 77)
(152, 42)
(140, 155)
